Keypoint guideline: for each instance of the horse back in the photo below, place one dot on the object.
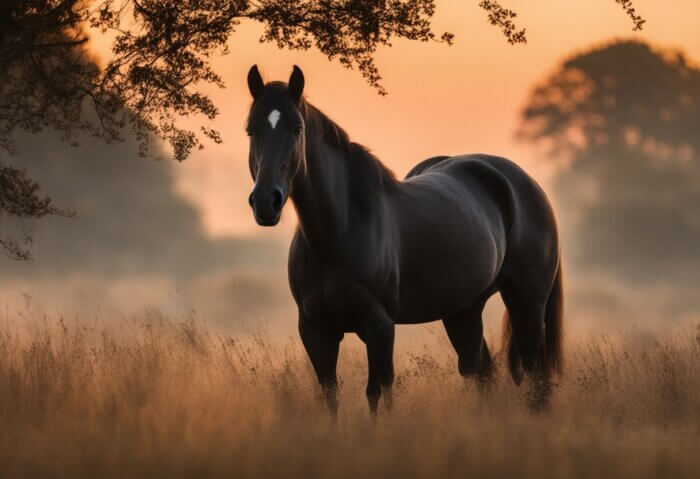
(516, 208)
(491, 179)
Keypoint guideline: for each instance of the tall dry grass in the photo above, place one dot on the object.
(164, 398)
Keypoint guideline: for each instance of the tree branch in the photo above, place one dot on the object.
(632, 13)
(503, 18)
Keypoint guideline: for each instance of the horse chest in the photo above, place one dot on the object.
(333, 297)
(338, 294)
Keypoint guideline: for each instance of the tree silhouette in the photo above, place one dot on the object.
(623, 121)
(160, 64)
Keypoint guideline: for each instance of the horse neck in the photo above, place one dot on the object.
(341, 188)
(322, 194)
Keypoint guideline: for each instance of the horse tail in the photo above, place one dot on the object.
(554, 327)
(516, 371)
(551, 357)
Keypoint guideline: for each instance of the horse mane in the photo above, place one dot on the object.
(368, 175)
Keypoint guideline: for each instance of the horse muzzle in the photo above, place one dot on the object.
(267, 205)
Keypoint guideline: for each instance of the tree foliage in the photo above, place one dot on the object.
(503, 19)
(19, 197)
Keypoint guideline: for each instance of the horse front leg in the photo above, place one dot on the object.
(378, 334)
(322, 346)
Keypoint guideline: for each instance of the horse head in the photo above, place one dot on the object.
(277, 152)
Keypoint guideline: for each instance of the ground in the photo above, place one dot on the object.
(159, 397)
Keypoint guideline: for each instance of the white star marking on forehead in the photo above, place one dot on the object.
(273, 118)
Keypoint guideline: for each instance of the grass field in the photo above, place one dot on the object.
(163, 398)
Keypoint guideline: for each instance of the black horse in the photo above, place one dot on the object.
(371, 251)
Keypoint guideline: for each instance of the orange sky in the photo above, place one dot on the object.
(442, 100)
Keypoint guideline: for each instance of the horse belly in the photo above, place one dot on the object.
(442, 292)
(445, 277)
(337, 301)
(452, 252)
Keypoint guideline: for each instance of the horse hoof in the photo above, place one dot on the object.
(517, 375)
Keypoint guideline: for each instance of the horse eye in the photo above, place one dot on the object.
(297, 130)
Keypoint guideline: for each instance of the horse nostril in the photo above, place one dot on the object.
(276, 199)
(250, 200)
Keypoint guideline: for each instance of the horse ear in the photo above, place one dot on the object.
(296, 84)
(255, 82)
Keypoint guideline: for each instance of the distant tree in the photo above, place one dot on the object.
(161, 58)
(623, 121)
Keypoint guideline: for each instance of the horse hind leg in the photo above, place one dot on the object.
(466, 333)
(513, 356)
(525, 336)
